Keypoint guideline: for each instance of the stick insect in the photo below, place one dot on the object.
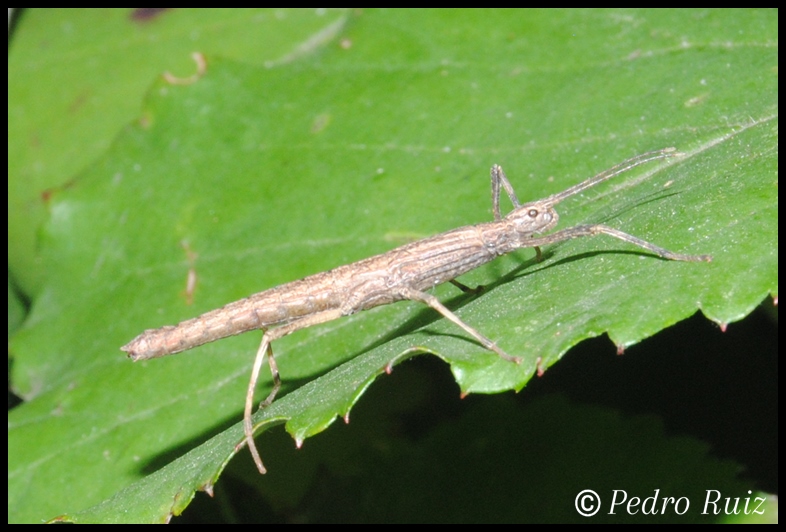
(404, 273)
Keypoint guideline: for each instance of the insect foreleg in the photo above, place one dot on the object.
(592, 230)
(498, 178)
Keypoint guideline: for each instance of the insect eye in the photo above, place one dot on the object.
(532, 213)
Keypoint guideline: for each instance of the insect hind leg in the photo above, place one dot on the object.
(266, 351)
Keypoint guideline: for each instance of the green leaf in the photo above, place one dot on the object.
(327, 138)
(680, 467)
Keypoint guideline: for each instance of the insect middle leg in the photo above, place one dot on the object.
(466, 289)
(433, 302)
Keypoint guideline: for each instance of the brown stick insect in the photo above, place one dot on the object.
(402, 273)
